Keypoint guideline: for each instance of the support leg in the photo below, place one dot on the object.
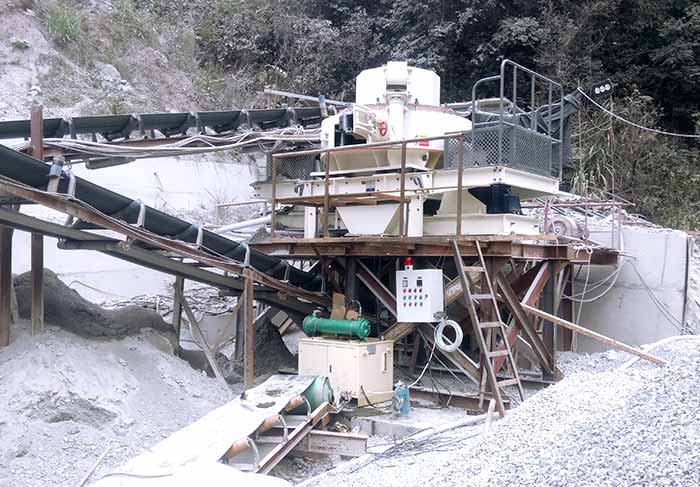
(548, 333)
(249, 359)
(37, 283)
(177, 307)
(5, 284)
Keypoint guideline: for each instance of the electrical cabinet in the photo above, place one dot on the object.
(419, 295)
(364, 369)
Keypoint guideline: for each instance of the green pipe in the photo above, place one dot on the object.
(358, 328)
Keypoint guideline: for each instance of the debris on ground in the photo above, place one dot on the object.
(638, 426)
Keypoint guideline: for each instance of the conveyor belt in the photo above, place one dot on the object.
(115, 127)
(34, 173)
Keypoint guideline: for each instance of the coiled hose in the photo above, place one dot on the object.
(442, 342)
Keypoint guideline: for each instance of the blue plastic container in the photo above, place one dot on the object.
(401, 402)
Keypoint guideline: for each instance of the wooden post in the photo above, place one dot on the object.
(177, 307)
(36, 133)
(592, 334)
(402, 191)
(5, 284)
(460, 188)
(37, 283)
(249, 358)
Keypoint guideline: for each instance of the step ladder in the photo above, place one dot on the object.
(490, 335)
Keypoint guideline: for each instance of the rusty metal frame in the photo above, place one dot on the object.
(80, 210)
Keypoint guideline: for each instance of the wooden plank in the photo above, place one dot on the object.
(398, 330)
(332, 443)
(592, 334)
(537, 286)
(37, 266)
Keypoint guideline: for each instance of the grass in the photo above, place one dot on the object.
(63, 23)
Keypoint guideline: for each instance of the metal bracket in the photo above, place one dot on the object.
(141, 220)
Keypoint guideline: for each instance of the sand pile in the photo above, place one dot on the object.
(65, 399)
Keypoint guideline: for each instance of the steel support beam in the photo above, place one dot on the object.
(523, 324)
(5, 284)
(37, 266)
(249, 338)
(179, 287)
(72, 239)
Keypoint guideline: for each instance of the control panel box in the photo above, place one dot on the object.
(419, 295)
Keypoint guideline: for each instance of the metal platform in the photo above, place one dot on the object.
(542, 247)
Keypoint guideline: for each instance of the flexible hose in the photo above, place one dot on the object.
(442, 342)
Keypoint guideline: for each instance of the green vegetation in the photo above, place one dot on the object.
(63, 22)
(648, 48)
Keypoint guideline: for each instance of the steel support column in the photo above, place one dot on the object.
(37, 283)
(177, 307)
(548, 331)
(5, 284)
(249, 339)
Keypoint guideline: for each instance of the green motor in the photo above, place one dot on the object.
(356, 328)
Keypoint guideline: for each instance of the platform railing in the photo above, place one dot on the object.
(327, 197)
(518, 139)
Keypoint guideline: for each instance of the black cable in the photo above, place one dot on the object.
(369, 403)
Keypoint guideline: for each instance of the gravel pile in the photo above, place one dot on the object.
(572, 363)
(639, 426)
(64, 400)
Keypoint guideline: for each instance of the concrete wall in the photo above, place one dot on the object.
(627, 312)
(181, 185)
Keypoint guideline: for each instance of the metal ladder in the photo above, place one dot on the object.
(487, 333)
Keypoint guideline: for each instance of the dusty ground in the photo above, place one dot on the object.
(65, 399)
(639, 426)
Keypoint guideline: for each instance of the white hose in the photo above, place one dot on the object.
(442, 342)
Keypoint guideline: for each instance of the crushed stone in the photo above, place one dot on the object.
(639, 426)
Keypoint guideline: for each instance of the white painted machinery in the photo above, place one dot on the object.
(506, 156)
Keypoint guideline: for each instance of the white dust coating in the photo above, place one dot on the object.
(639, 426)
(65, 399)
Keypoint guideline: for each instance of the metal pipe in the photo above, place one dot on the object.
(255, 222)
